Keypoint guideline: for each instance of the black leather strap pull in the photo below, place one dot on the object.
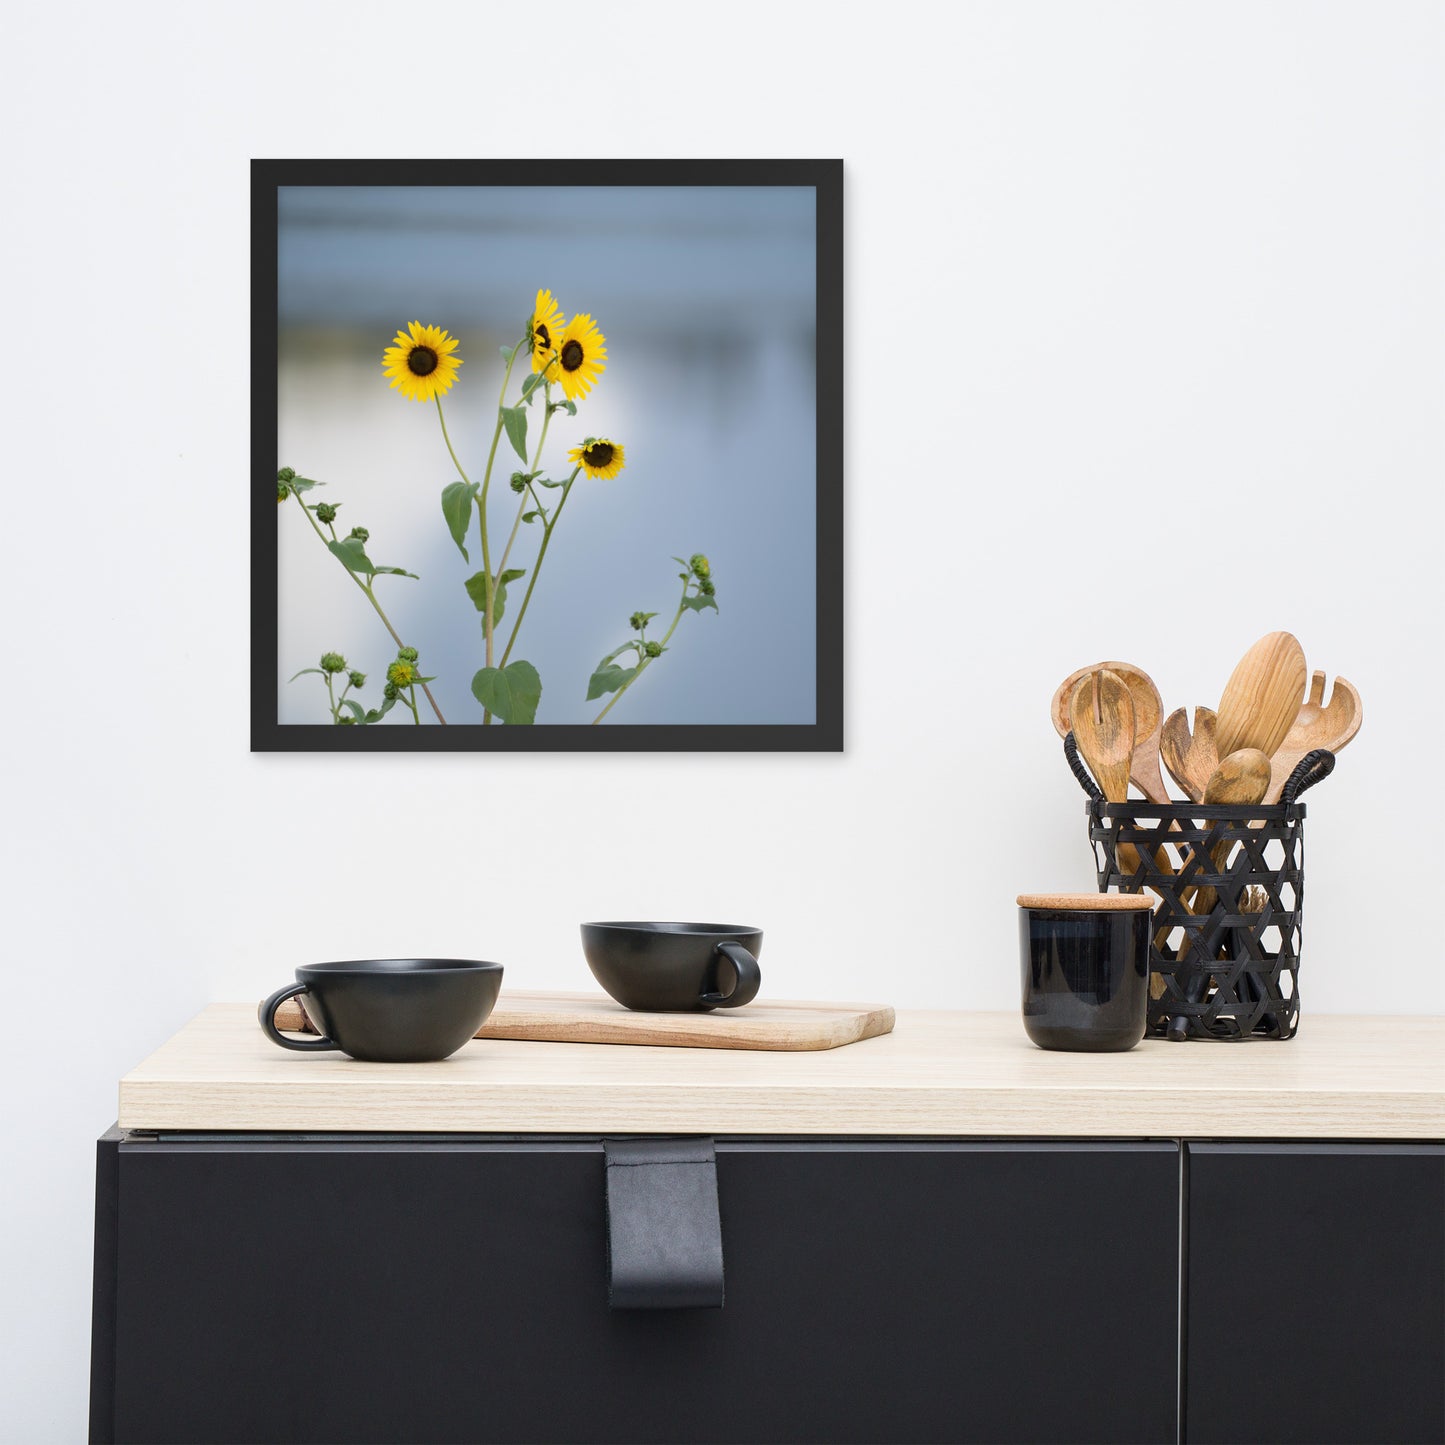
(664, 1237)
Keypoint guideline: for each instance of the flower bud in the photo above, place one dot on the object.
(282, 491)
(700, 566)
(638, 621)
(326, 512)
(332, 662)
(401, 674)
(391, 692)
(359, 533)
(408, 654)
(706, 587)
(653, 649)
(346, 720)
(519, 483)
(286, 474)
(357, 679)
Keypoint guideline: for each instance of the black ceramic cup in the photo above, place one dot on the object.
(1085, 960)
(389, 1010)
(674, 967)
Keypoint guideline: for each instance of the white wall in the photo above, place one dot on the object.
(1144, 359)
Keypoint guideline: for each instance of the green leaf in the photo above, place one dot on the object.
(515, 421)
(530, 516)
(357, 711)
(532, 384)
(397, 572)
(476, 586)
(457, 509)
(512, 692)
(377, 713)
(570, 407)
(698, 603)
(352, 554)
(507, 352)
(304, 484)
(543, 482)
(304, 671)
(607, 679)
(683, 560)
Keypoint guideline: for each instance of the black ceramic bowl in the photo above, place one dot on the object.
(390, 1010)
(674, 967)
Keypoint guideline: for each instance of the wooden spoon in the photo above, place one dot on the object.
(1262, 697)
(1148, 719)
(1316, 725)
(1241, 780)
(1190, 758)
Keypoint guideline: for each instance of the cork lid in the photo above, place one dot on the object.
(1087, 902)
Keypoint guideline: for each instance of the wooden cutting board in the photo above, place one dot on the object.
(585, 1018)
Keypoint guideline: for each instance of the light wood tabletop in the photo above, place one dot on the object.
(937, 1073)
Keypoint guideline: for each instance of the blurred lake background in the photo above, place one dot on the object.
(706, 296)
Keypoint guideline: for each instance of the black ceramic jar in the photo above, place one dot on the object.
(1085, 963)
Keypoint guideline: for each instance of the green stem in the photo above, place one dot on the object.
(522, 505)
(547, 530)
(646, 661)
(370, 597)
(482, 500)
(447, 439)
(411, 703)
(331, 696)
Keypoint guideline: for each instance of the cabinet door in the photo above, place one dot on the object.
(1316, 1293)
(412, 1290)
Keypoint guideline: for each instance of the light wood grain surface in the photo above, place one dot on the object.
(593, 1018)
(1087, 902)
(935, 1074)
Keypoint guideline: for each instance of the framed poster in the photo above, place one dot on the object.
(547, 455)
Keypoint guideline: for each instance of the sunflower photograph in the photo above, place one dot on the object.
(614, 522)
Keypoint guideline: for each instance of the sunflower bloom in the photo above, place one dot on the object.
(599, 458)
(581, 357)
(420, 362)
(544, 329)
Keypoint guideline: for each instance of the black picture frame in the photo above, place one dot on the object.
(824, 734)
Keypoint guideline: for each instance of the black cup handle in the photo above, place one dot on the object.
(750, 978)
(267, 1014)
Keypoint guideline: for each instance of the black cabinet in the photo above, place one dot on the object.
(1316, 1293)
(454, 1289)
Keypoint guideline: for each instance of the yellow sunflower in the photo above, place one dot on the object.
(543, 330)
(581, 357)
(420, 363)
(599, 457)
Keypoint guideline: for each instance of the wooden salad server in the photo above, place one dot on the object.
(1317, 724)
(1190, 757)
(1148, 720)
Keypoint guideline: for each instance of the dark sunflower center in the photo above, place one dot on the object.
(421, 361)
(544, 337)
(572, 356)
(599, 454)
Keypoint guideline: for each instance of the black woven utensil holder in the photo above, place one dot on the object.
(1230, 973)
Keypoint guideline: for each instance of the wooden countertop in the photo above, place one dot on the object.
(936, 1074)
